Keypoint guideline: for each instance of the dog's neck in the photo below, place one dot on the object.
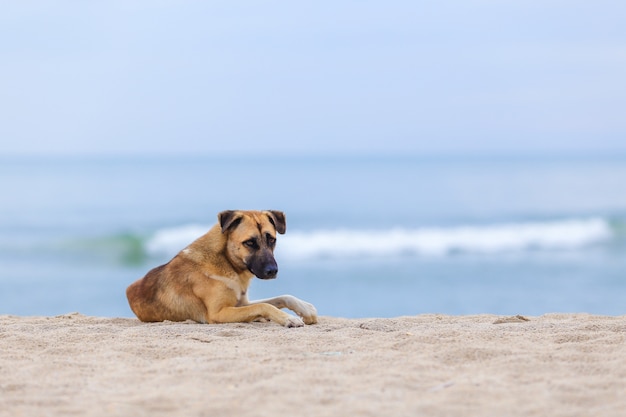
(239, 286)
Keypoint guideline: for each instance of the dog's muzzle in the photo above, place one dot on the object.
(266, 269)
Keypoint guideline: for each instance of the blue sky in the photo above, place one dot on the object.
(269, 77)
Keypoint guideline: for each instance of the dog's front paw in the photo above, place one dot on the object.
(310, 319)
(293, 322)
(307, 311)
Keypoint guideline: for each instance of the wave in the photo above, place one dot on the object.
(567, 234)
(170, 241)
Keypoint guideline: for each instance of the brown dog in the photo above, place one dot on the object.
(208, 280)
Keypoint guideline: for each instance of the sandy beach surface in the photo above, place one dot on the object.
(430, 365)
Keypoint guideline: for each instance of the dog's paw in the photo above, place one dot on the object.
(293, 322)
(311, 319)
(307, 311)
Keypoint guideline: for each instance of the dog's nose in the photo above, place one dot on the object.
(270, 271)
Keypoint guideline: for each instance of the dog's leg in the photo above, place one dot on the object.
(305, 310)
(249, 313)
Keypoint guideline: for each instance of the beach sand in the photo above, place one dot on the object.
(431, 365)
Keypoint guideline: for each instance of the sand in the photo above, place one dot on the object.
(429, 365)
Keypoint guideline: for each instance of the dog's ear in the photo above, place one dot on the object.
(229, 219)
(277, 218)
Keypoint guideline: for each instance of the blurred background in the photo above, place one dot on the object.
(454, 157)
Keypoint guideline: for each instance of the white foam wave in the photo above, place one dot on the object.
(557, 235)
(170, 241)
(346, 243)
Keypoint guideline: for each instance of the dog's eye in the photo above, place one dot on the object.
(271, 240)
(251, 243)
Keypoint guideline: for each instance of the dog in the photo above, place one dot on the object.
(208, 281)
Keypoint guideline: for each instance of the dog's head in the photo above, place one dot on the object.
(251, 239)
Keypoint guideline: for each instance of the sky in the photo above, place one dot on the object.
(325, 77)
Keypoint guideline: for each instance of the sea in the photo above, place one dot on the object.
(367, 236)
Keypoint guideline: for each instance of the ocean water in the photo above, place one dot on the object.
(366, 236)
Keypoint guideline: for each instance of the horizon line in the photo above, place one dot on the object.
(442, 154)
